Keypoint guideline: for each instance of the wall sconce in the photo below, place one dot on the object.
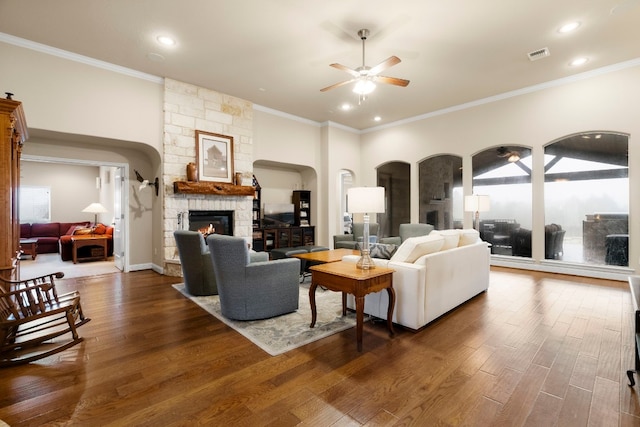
(144, 183)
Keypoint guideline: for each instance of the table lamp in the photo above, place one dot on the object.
(477, 203)
(95, 208)
(365, 200)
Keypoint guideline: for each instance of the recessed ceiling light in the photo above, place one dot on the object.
(579, 61)
(166, 41)
(345, 107)
(568, 27)
(377, 118)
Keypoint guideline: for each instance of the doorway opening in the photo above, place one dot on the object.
(103, 181)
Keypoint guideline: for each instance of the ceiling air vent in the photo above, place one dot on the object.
(539, 54)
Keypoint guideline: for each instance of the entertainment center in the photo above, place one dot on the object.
(283, 224)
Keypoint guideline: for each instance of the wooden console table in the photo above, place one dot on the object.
(85, 240)
(346, 278)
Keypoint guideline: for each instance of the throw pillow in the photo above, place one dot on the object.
(468, 236)
(81, 230)
(382, 250)
(451, 238)
(415, 247)
(100, 229)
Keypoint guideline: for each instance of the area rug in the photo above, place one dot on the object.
(51, 263)
(284, 333)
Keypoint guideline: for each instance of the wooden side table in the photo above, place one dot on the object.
(346, 278)
(84, 240)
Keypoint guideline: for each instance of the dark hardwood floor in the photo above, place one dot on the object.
(536, 349)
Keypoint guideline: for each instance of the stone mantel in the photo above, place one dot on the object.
(217, 188)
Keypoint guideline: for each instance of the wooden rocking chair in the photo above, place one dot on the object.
(32, 315)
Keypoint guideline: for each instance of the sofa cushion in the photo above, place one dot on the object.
(49, 229)
(468, 236)
(415, 247)
(382, 250)
(451, 238)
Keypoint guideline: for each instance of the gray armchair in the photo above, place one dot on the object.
(349, 241)
(250, 291)
(408, 230)
(197, 269)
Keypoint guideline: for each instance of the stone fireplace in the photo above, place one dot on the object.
(189, 108)
(230, 213)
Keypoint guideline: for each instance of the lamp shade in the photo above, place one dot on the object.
(365, 199)
(95, 208)
(477, 203)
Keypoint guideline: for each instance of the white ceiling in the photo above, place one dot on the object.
(276, 53)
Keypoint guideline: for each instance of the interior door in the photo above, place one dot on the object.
(118, 203)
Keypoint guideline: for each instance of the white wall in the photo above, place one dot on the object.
(66, 96)
(73, 188)
(78, 111)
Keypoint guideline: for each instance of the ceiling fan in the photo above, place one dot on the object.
(511, 155)
(367, 77)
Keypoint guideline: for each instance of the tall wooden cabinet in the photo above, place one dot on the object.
(14, 133)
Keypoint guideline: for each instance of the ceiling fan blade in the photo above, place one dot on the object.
(337, 85)
(341, 67)
(389, 62)
(391, 81)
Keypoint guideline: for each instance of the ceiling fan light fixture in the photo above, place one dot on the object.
(514, 157)
(364, 87)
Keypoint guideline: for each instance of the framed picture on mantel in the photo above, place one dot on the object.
(214, 156)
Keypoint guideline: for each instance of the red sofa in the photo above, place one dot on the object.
(48, 234)
(54, 237)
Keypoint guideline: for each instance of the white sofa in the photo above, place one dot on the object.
(434, 283)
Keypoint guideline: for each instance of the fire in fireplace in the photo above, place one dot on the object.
(222, 221)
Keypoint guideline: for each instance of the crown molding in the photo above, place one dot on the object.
(39, 47)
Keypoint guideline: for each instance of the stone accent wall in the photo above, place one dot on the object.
(187, 108)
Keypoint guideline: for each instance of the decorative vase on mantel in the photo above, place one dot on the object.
(192, 172)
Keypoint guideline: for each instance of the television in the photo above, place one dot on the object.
(278, 215)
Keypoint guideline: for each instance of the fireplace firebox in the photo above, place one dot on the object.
(222, 221)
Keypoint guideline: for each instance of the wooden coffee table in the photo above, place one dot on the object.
(29, 247)
(321, 257)
(344, 277)
(89, 240)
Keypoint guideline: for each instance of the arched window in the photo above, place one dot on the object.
(441, 191)
(586, 195)
(504, 174)
(395, 177)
